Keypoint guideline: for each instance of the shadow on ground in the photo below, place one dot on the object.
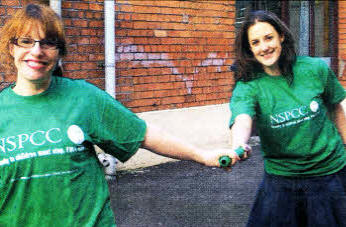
(186, 194)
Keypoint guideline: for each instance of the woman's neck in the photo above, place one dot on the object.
(273, 70)
(29, 88)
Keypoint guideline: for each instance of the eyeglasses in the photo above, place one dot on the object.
(28, 43)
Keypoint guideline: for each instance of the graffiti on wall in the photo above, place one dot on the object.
(164, 60)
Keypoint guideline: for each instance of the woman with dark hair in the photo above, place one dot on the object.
(248, 66)
(296, 103)
(49, 173)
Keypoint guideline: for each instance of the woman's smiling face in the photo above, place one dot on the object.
(265, 44)
(34, 63)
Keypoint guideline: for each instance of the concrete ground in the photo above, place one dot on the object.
(185, 193)
(204, 126)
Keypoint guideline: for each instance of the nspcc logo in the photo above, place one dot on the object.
(75, 134)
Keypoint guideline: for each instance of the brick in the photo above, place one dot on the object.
(164, 78)
(124, 16)
(140, 40)
(125, 24)
(143, 95)
(96, 6)
(66, 5)
(160, 33)
(140, 56)
(83, 40)
(127, 56)
(96, 24)
(126, 89)
(342, 4)
(72, 13)
(144, 80)
(229, 21)
(96, 40)
(123, 96)
(124, 80)
(121, 64)
(77, 74)
(76, 57)
(80, 5)
(201, 97)
(96, 57)
(99, 15)
(142, 102)
(88, 65)
(164, 93)
(72, 31)
(72, 66)
(89, 14)
(87, 31)
(143, 109)
(148, 9)
(79, 23)
(125, 40)
(11, 2)
(169, 100)
(171, 3)
(138, 32)
(99, 82)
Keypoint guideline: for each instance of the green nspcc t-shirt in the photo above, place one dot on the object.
(49, 173)
(297, 136)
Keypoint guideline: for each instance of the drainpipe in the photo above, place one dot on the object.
(304, 29)
(109, 162)
(109, 15)
(56, 6)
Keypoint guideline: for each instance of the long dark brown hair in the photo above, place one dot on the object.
(246, 67)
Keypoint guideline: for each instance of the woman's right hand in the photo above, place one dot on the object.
(247, 150)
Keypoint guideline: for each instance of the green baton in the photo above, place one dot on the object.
(225, 161)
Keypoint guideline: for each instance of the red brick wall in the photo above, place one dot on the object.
(84, 27)
(173, 54)
(342, 41)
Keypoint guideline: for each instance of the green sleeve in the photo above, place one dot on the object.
(333, 93)
(115, 129)
(243, 101)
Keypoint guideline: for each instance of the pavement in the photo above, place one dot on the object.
(185, 193)
(202, 126)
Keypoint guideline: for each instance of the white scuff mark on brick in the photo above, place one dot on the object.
(189, 85)
(175, 71)
(212, 55)
(207, 62)
(156, 59)
(218, 61)
(170, 64)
